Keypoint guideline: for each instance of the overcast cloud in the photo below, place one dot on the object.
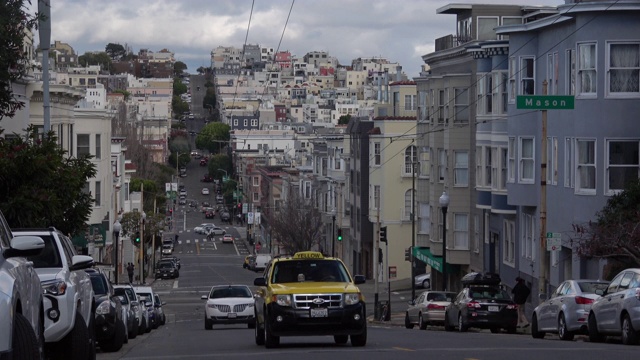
(399, 30)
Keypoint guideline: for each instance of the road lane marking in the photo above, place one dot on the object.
(175, 284)
(403, 349)
(197, 248)
(188, 241)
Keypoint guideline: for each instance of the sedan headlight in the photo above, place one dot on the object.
(282, 300)
(351, 298)
(104, 308)
(54, 287)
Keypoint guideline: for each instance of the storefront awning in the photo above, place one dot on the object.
(425, 255)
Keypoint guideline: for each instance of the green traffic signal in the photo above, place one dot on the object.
(137, 237)
(339, 234)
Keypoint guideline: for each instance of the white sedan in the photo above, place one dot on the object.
(200, 229)
(205, 191)
(227, 238)
(229, 304)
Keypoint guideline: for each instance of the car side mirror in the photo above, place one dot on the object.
(359, 279)
(260, 282)
(411, 302)
(542, 296)
(81, 262)
(164, 303)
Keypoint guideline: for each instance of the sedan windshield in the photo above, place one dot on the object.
(230, 292)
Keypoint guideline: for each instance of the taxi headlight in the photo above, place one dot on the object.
(351, 299)
(283, 300)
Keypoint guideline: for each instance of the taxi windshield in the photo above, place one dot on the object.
(318, 270)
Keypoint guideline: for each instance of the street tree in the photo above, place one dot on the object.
(14, 63)
(296, 225)
(179, 87)
(178, 106)
(213, 137)
(96, 58)
(615, 233)
(217, 162)
(42, 186)
(178, 68)
(115, 51)
(344, 119)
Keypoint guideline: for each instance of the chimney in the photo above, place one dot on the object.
(379, 86)
(398, 73)
(386, 86)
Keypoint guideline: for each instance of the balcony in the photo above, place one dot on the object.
(451, 41)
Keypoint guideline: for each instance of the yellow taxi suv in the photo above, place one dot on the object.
(308, 294)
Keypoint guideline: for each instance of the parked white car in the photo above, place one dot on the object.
(68, 295)
(617, 312)
(21, 322)
(205, 191)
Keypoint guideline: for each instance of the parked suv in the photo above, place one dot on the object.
(68, 295)
(111, 318)
(617, 312)
(21, 319)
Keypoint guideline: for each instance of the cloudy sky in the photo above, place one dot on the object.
(400, 30)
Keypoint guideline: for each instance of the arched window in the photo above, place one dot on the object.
(410, 158)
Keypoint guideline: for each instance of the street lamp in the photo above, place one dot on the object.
(444, 204)
(225, 172)
(143, 216)
(117, 227)
(333, 232)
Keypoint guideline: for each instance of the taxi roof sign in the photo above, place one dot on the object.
(308, 255)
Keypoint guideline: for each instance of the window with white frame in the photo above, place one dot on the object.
(307, 190)
(409, 102)
(551, 83)
(509, 242)
(500, 97)
(442, 165)
(479, 172)
(256, 196)
(461, 168)
(526, 160)
(409, 195)
(83, 147)
(568, 162)
(527, 75)
(513, 70)
(97, 198)
(480, 94)
(489, 91)
(512, 159)
(376, 196)
(98, 146)
(235, 122)
(376, 153)
(425, 219)
(587, 81)
(552, 160)
(503, 168)
(461, 231)
(245, 122)
(423, 111)
(623, 164)
(570, 72)
(255, 180)
(623, 72)
(337, 163)
(410, 159)
(586, 166)
(254, 122)
(442, 101)
(476, 234)
(425, 162)
(495, 165)
(486, 28)
(528, 249)
(461, 106)
(488, 165)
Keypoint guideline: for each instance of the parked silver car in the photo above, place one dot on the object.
(428, 309)
(617, 312)
(567, 310)
(423, 281)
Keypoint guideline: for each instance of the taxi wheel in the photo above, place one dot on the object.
(270, 341)
(259, 332)
(359, 340)
(340, 339)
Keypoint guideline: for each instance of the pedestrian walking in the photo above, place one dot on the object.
(130, 269)
(520, 294)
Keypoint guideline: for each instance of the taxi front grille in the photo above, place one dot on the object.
(306, 301)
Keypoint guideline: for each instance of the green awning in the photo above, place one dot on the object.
(425, 255)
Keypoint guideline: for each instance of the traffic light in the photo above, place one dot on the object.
(383, 234)
(137, 238)
(407, 254)
(339, 234)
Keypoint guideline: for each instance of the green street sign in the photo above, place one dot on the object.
(552, 235)
(545, 102)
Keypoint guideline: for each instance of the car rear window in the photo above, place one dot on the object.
(591, 287)
(488, 293)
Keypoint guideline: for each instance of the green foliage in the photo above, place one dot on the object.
(43, 187)
(219, 161)
(213, 137)
(178, 106)
(179, 87)
(178, 68)
(615, 234)
(96, 58)
(14, 21)
(126, 94)
(344, 119)
(115, 51)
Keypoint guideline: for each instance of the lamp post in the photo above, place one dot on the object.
(225, 172)
(117, 227)
(333, 232)
(444, 204)
(143, 216)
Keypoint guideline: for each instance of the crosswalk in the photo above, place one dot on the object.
(196, 241)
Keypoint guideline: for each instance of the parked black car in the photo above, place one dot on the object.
(482, 303)
(175, 260)
(110, 326)
(166, 269)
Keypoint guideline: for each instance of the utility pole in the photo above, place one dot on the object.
(544, 267)
(142, 216)
(377, 265)
(413, 230)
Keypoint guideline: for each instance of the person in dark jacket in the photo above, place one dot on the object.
(520, 294)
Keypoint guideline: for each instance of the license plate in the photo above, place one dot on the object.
(494, 308)
(232, 315)
(322, 312)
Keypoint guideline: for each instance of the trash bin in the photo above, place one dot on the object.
(383, 312)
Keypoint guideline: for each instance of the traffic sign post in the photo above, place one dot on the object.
(554, 241)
